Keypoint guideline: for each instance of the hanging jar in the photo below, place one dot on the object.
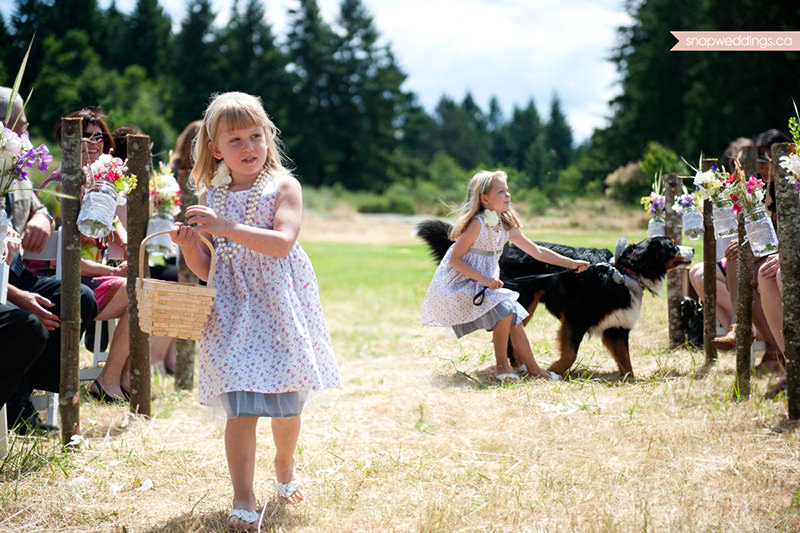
(96, 217)
(161, 220)
(692, 223)
(725, 223)
(656, 226)
(760, 232)
(5, 225)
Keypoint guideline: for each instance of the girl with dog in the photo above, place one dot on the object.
(466, 293)
(266, 343)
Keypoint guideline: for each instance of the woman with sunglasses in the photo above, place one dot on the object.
(107, 281)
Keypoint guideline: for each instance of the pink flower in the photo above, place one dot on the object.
(754, 184)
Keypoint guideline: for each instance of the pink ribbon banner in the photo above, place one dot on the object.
(736, 41)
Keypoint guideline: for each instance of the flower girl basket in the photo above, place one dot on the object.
(173, 309)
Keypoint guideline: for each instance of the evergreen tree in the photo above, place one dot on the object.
(309, 128)
(30, 17)
(5, 55)
(654, 79)
(366, 101)
(522, 131)
(193, 63)
(71, 78)
(558, 137)
(459, 136)
(250, 60)
(500, 151)
(114, 38)
(150, 33)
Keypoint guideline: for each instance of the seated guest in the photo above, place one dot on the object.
(39, 296)
(28, 335)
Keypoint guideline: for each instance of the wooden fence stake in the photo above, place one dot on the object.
(709, 276)
(184, 359)
(674, 230)
(72, 178)
(139, 163)
(788, 237)
(744, 290)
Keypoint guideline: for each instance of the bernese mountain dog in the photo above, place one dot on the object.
(605, 300)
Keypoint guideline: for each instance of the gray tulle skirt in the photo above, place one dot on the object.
(273, 405)
(493, 316)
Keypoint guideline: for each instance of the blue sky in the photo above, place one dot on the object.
(512, 49)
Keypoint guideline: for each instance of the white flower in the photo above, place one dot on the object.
(792, 165)
(707, 183)
(6, 161)
(222, 176)
(12, 144)
(490, 218)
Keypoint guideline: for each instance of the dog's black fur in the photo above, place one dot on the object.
(600, 300)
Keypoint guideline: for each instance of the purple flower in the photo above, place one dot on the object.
(657, 205)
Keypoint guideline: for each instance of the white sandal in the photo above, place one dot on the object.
(287, 490)
(251, 517)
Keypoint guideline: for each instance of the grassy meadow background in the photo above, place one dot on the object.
(420, 437)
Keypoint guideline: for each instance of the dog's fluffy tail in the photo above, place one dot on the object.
(435, 234)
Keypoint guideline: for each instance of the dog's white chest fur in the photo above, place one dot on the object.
(625, 317)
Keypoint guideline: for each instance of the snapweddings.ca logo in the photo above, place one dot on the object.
(736, 41)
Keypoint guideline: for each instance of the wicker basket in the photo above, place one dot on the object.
(173, 309)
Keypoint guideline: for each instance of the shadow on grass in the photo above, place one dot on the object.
(277, 517)
(480, 379)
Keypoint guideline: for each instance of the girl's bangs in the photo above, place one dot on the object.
(237, 117)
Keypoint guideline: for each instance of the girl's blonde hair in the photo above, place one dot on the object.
(231, 111)
(482, 183)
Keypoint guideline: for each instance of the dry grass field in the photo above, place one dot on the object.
(420, 437)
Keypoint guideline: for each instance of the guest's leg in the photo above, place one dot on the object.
(24, 338)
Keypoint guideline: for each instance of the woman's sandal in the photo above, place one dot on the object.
(102, 396)
(291, 492)
(248, 517)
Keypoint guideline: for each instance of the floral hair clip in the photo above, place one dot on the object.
(222, 176)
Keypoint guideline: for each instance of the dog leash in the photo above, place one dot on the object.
(478, 298)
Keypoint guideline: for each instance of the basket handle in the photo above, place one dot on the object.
(205, 241)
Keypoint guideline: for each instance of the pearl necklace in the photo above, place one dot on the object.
(226, 248)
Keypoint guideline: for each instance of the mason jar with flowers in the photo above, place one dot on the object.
(17, 155)
(108, 185)
(688, 206)
(747, 195)
(712, 185)
(165, 205)
(655, 204)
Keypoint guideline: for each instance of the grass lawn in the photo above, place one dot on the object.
(420, 437)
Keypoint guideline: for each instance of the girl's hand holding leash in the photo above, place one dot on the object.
(488, 283)
(583, 266)
(491, 283)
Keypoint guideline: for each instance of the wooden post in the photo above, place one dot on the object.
(72, 178)
(140, 163)
(184, 360)
(744, 289)
(709, 276)
(674, 230)
(788, 237)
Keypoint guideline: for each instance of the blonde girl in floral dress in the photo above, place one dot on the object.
(486, 222)
(266, 342)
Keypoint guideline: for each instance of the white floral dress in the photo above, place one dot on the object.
(266, 332)
(449, 301)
